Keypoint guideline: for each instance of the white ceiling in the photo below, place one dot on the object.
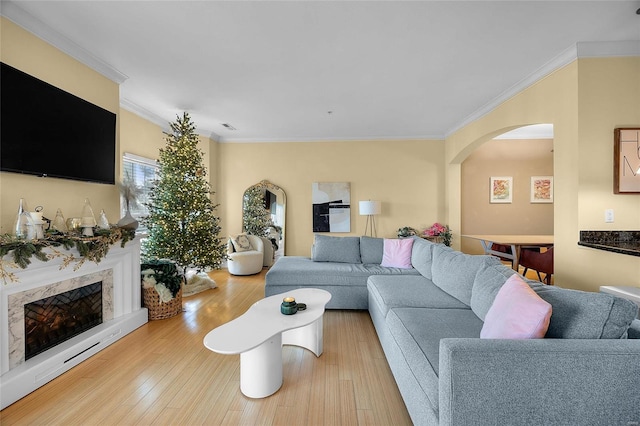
(325, 70)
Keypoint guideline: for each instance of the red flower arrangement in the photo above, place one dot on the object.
(439, 230)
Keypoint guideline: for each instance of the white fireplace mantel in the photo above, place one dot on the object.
(18, 377)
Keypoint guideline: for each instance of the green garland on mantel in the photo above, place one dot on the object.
(90, 248)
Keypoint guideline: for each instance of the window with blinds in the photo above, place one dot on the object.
(142, 171)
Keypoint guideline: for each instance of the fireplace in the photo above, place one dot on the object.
(111, 307)
(21, 327)
(55, 319)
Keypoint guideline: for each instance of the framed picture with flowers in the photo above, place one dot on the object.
(542, 189)
(501, 189)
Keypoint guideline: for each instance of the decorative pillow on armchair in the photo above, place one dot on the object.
(241, 243)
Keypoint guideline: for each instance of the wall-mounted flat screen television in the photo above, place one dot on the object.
(46, 131)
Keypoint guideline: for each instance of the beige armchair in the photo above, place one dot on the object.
(246, 262)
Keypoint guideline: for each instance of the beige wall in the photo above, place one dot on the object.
(519, 159)
(136, 135)
(406, 176)
(139, 136)
(419, 182)
(28, 53)
(609, 97)
(584, 101)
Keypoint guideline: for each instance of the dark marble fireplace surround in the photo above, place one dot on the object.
(623, 242)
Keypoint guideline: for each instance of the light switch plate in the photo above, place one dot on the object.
(608, 216)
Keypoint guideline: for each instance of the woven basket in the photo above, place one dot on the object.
(159, 310)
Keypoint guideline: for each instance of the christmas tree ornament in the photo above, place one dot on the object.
(24, 227)
(38, 222)
(88, 219)
(103, 223)
(59, 224)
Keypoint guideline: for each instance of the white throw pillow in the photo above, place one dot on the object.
(241, 243)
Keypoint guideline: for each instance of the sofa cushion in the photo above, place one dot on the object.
(634, 329)
(486, 285)
(455, 272)
(409, 291)
(418, 332)
(241, 243)
(371, 249)
(516, 313)
(336, 249)
(422, 256)
(586, 315)
(397, 253)
(301, 271)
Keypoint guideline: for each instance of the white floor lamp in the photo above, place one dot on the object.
(370, 209)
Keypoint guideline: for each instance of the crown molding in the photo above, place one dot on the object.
(335, 139)
(579, 50)
(19, 16)
(566, 57)
(159, 121)
(144, 113)
(608, 49)
(215, 137)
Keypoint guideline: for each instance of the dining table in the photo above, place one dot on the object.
(515, 241)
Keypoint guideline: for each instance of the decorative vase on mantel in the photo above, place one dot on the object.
(128, 221)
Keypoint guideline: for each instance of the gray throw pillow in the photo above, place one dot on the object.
(586, 315)
(422, 256)
(336, 249)
(488, 281)
(455, 272)
(371, 249)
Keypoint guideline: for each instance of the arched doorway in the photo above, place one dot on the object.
(516, 156)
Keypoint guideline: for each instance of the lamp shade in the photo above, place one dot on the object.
(369, 208)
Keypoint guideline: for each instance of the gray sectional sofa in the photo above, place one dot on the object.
(340, 265)
(586, 371)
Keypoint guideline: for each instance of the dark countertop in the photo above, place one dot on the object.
(623, 242)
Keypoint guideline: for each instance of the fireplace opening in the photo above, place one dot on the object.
(55, 319)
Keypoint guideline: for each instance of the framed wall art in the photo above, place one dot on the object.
(331, 206)
(626, 161)
(501, 189)
(542, 189)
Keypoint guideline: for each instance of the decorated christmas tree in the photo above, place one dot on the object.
(182, 223)
(255, 217)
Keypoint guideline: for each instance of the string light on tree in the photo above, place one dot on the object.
(256, 218)
(182, 223)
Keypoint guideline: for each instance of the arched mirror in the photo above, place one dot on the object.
(264, 207)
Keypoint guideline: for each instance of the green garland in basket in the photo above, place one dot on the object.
(163, 272)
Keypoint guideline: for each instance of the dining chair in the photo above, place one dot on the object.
(539, 261)
(503, 249)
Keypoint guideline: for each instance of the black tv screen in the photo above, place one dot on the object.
(46, 131)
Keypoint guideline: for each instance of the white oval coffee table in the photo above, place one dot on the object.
(258, 336)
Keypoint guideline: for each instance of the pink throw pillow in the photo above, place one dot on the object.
(397, 253)
(516, 313)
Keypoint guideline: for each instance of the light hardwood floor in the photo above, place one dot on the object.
(162, 374)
